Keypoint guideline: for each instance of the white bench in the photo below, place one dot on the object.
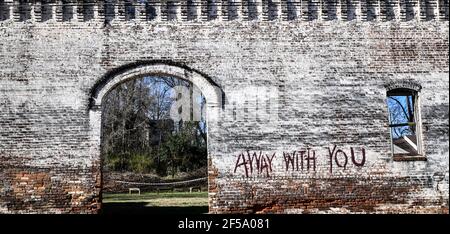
(130, 190)
(198, 188)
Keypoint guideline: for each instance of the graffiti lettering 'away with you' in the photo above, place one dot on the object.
(259, 163)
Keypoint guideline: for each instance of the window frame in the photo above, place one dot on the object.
(420, 156)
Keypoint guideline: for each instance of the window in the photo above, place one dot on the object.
(404, 123)
(4, 10)
(130, 10)
(67, 10)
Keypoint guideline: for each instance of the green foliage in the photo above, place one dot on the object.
(141, 163)
(117, 162)
(183, 152)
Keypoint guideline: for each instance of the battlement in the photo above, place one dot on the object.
(222, 10)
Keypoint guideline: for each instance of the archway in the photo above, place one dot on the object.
(116, 77)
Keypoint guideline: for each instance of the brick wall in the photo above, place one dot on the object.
(296, 90)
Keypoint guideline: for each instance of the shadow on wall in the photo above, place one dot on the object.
(143, 208)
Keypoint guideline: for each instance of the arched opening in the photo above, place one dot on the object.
(192, 86)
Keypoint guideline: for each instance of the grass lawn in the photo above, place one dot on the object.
(153, 203)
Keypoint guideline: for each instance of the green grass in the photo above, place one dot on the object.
(161, 199)
(154, 203)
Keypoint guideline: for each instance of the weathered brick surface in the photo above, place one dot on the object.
(329, 78)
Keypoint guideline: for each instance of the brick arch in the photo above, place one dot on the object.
(207, 86)
(212, 92)
(404, 84)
